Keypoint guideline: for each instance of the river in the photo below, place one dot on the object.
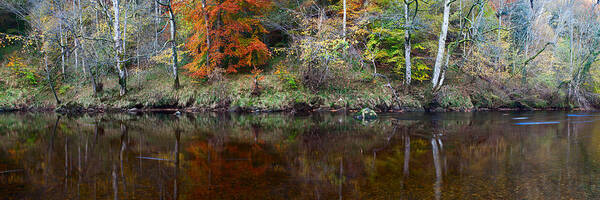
(479, 155)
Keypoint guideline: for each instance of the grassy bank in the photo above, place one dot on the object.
(151, 90)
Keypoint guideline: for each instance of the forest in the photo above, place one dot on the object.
(299, 55)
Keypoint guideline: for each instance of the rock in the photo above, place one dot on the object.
(133, 110)
(302, 107)
(235, 109)
(70, 107)
(523, 106)
(366, 114)
(177, 113)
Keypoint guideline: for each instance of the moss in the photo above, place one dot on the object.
(487, 99)
(451, 98)
(535, 102)
(152, 89)
(366, 114)
(409, 103)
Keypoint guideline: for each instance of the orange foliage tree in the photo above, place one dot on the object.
(226, 33)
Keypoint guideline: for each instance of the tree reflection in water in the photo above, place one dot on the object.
(279, 156)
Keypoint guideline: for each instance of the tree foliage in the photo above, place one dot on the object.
(234, 30)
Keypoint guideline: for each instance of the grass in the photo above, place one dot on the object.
(152, 89)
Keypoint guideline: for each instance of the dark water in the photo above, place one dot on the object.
(320, 156)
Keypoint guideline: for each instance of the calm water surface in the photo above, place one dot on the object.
(491, 155)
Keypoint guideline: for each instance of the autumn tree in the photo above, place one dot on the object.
(228, 30)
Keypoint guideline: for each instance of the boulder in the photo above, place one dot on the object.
(366, 114)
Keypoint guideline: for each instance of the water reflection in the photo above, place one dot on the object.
(438, 169)
(279, 156)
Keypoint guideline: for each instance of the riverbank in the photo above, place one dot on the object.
(151, 92)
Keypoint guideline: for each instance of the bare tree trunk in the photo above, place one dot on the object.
(156, 20)
(119, 48)
(137, 36)
(443, 72)
(173, 32)
(97, 80)
(124, 40)
(92, 78)
(462, 33)
(62, 49)
(571, 54)
(86, 68)
(76, 40)
(49, 79)
(344, 22)
(407, 45)
(76, 51)
(498, 41)
(441, 46)
(524, 71)
(80, 44)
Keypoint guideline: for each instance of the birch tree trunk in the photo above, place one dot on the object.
(571, 51)
(498, 41)
(62, 49)
(344, 22)
(124, 32)
(444, 69)
(98, 81)
(81, 45)
(155, 25)
(76, 39)
(407, 45)
(173, 32)
(76, 51)
(118, 47)
(441, 46)
(137, 36)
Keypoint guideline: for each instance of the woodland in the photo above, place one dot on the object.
(299, 55)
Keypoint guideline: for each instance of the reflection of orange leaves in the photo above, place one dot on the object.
(229, 169)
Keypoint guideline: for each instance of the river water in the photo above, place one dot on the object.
(481, 155)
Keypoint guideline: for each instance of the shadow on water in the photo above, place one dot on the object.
(318, 156)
